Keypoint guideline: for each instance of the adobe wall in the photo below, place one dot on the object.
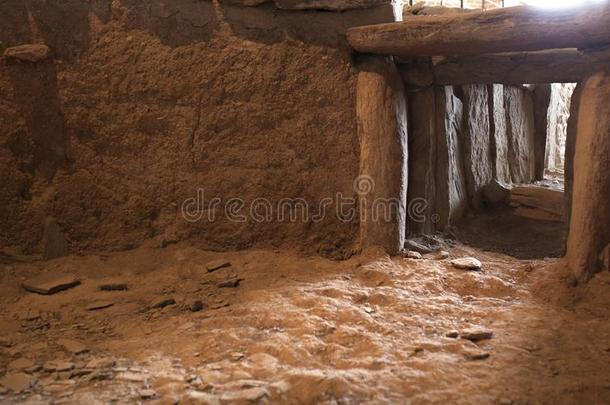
(141, 104)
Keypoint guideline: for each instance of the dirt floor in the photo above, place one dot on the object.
(277, 327)
(501, 230)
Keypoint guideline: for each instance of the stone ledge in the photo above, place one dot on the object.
(32, 53)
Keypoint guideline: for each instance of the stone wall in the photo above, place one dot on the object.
(558, 114)
(142, 104)
(481, 134)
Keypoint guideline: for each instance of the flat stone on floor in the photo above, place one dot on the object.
(48, 285)
(467, 263)
(217, 265)
(476, 335)
(16, 382)
(100, 304)
(72, 346)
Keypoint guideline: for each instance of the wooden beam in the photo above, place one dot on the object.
(513, 29)
(553, 66)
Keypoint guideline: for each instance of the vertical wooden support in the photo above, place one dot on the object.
(589, 235)
(381, 108)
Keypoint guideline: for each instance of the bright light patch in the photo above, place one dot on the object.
(562, 3)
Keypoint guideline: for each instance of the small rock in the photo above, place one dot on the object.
(237, 356)
(476, 335)
(196, 306)
(247, 395)
(164, 302)
(114, 287)
(476, 355)
(58, 365)
(466, 263)
(231, 283)
(148, 394)
(16, 382)
(495, 194)
(412, 254)
(417, 247)
(452, 334)
(72, 346)
(50, 284)
(20, 364)
(101, 304)
(217, 265)
(27, 53)
(54, 243)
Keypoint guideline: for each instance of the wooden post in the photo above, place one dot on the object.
(589, 237)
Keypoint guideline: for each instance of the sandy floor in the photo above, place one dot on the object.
(304, 330)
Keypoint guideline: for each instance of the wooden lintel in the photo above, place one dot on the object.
(513, 29)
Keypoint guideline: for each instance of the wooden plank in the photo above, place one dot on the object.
(552, 66)
(513, 29)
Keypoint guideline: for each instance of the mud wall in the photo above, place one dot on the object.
(142, 104)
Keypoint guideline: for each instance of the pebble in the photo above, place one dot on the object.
(101, 304)
(418, 247)
(196, 306)
(231, 283)
(72, 346)
(476, 335)
(217, 265)
(148, 394)
(247, 395)
(476, 355)
(412, 254)
(452, 334)
(114, 287)
(466, 263)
